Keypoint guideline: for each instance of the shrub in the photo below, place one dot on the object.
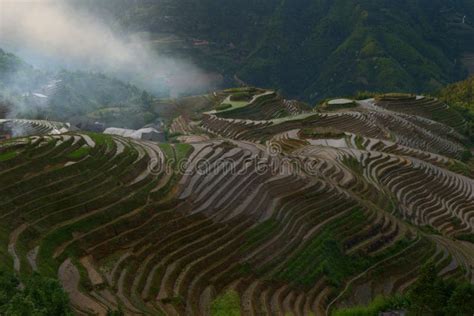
(223, 106)
(466, 237)
(241, 96)
(353, 164)
(459, 167)
(79, 153)
(430, 230)
(429, 295)
(362, 95)
(461, 301)
(118, 312)
(227, 304)
(8, 155)
(466, 155)
(379, 304)
(39, 296)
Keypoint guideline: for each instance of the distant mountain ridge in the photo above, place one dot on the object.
(317, 49)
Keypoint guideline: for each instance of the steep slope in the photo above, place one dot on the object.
(18, 127)
(16, 76)
(461, 96)
(316, 49)
(81, 97)
(345, 46)
(295, 211)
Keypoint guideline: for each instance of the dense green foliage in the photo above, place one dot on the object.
(99, 89)
(37, 296)
(466, 237)
(258, 233)
(223, 106)
(96, 97)
(432, 295)
(460, 96)
(315, 49)
(379, 304)
(16, 76)
(227, 304)
(79, 97)
(326, 250)
(241, 96)
(118, 312)
(79, 153)
(429, 295)
(7, 155)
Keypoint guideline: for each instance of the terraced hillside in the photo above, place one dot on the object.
(296, 211)
(19, 127)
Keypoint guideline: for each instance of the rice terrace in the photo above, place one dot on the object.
(125, 191)
(368, 207)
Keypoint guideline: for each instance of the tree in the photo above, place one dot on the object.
(47, 295)
(427, 295)
(118, 312)
(21, 305)
(5, 107)
(38, 296)
(461, 301)
(8, 287)
(146, 101)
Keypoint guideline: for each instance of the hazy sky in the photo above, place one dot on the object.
(50, 34)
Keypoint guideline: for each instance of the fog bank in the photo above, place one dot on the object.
(52, 35)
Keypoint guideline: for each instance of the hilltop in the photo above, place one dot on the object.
(260, 205)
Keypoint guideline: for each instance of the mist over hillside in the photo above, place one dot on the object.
(311, 50)
(236, 157)
(66, 62)
(78, 97)
(53, 35)
(314, 49)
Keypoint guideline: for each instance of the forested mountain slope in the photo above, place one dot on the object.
(315, 49)
(77, 96)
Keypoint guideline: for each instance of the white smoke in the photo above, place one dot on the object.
(52, 33)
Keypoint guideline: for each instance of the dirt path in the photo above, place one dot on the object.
(31, 256)
(69, 277)
(12, 245)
